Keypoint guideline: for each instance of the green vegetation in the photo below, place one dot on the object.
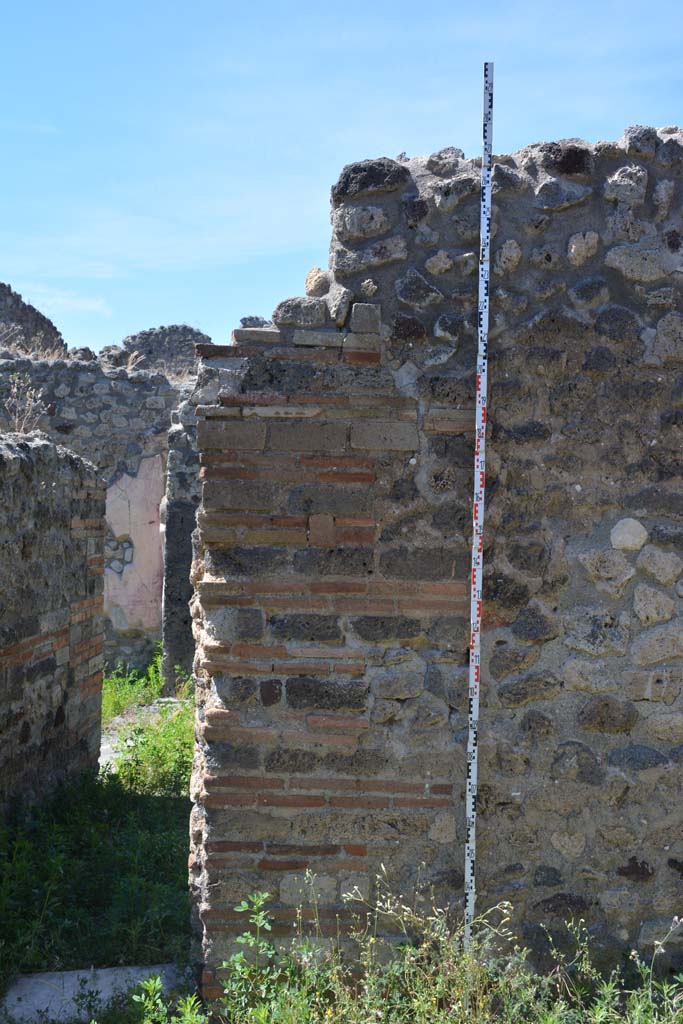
(157, 759)
(124, 688)
(146, 1004)
(424, 976)
(97, 875)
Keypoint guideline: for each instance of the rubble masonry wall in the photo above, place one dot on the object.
(51, 623)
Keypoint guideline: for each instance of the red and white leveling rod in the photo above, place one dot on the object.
(478, 510)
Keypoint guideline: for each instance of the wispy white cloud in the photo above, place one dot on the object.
(55, 301)
(203, 228)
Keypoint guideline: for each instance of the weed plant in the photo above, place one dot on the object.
(124, 688)
(423, 975)
(157, 759)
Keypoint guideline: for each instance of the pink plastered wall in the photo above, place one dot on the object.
(132, 598)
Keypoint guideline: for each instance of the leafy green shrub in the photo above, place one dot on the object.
(156, 1009)
(157, 758)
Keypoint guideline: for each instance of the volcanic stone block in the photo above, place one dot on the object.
(307, 692)
(305, 627)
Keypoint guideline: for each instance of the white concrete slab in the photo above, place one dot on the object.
(77, 995)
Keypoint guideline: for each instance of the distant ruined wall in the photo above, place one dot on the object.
(51, 625)
(332, 554)
(119, 420)
(168, 349)
(183, 490)
(25, 327)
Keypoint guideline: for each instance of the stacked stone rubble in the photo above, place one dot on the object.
(332, 554)
(51, 624)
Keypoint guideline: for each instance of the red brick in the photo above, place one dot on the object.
(396, 588)
(333, 784)
(453, 588)
(324, 653)
(359, 802)
(348, 668)
(327, 400)
(389, 786)
(282, 849)
(356, 849)
(359, 358)
(349, 536)
(302, 668)
(290, 800)
(293, 864)
(367, 606)
(215, 666)
(243, 401)
(221, 799)
(338, 587)
(287, 585)
(321, 531)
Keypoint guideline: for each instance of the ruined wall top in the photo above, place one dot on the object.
(405, 234)
(168, 349)
(25, 327)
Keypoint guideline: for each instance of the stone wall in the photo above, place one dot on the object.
(51, 632)
(332, 553)
(183, 490)
(168, 349)
(25, 327)
(118, 419)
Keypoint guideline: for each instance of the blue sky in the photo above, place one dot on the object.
(168, 162)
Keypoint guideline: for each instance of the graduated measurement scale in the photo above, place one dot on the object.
(478, 509)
